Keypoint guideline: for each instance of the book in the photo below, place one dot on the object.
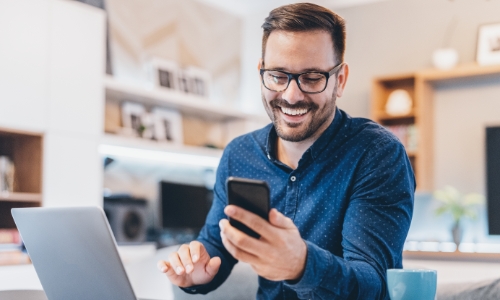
(10, 236)
(14, 257)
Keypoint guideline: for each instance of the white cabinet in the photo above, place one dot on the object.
(24, 63)
(52, 56)
(73, 172)
(77, 64)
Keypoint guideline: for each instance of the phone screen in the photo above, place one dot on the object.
(251, 195)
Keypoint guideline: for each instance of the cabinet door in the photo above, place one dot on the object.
(77, 67)
(24, 62)
(72, 171)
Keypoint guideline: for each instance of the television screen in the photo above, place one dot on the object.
(493, 178)
(184, 206)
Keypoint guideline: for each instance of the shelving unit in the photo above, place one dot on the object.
(420, 86)
(185, 103)
(114, 145)
(453, 256)
(24, 149)
(203, 121)
(21, 197)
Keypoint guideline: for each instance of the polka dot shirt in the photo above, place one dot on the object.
(351, 197)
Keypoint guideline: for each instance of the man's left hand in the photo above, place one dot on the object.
(279, 254)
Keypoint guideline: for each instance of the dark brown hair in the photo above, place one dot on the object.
(306, 17)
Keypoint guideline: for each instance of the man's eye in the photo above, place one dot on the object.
(311, 79)
(279, 79)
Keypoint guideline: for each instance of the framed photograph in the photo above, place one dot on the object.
(167, 125)
(165, 73)
(183, 81)
(132, 114)
(198, 81)
(488, 44)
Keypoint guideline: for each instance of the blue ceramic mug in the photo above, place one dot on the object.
(412, 284)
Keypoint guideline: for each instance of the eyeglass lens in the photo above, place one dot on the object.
(308, 82)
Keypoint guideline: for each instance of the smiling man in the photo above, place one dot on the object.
(341, 187)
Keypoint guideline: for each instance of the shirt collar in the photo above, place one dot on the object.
(318, 146)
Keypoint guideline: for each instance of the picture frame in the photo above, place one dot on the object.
(167, 125)
(132, 114)
(488, 44)
(165, 73)
(199, 81)
(183, 81)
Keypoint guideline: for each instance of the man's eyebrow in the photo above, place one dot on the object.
(301, 71)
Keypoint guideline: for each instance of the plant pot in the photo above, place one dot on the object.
(456, 233)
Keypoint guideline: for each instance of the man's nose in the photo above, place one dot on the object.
(293, 94)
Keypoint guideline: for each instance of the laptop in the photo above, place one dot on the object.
(74, 253)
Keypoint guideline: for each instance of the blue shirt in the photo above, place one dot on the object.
(351, 197)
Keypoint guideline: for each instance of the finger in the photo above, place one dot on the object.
(213, 266)
(195, 250)
(240, 239)
(165, 267)
(175, 263)
(236, 252)
(162, 266)
(280, 220)
(185, 256)
(251, 220)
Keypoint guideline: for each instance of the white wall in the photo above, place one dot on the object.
(462, 113)
(399, 36)
(250, 95)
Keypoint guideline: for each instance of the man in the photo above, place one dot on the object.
(341, 188)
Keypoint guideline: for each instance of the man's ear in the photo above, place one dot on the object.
(342, 79)
(260, 65)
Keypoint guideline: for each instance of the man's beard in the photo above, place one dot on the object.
(317, 117)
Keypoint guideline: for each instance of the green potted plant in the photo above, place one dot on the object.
(459, 206)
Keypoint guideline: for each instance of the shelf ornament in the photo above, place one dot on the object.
(399, 103)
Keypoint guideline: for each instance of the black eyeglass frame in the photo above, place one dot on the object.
(296, 77)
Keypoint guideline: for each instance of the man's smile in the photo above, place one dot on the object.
(294, 111)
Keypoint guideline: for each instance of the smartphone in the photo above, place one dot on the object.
(249, 194)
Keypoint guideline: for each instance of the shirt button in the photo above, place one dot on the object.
(293, 178)
(269, 156)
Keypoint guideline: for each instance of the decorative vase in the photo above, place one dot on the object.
(456, 233)
(445, 58)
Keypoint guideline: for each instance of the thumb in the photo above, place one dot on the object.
(213, 266)
(280, 220)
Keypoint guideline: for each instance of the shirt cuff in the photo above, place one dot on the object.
(318, 262)
(196, 289)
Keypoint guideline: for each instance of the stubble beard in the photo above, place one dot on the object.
(317, 119)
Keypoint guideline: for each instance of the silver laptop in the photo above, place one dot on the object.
(74, 253)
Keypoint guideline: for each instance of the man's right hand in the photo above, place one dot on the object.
(190, 265)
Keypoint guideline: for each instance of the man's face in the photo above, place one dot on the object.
(298, 116)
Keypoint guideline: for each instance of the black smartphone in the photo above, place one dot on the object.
(249, 194)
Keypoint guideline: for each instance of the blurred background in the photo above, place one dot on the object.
(128, 104)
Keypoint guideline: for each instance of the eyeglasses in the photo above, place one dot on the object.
(308, 82)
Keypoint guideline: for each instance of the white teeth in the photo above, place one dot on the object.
(294, 112)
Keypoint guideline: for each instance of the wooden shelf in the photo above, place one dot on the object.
(24, 149)
(185, 103)
(420, 86)
(385, 116)
(463, 71)
(457, 255)
(21, 197)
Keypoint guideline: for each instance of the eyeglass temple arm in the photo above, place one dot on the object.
(334, 70)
